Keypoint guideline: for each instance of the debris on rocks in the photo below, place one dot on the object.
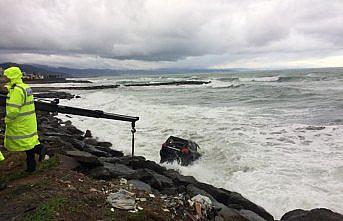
(122, 199)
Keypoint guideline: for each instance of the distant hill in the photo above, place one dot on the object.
(31, 69)
(74, 72)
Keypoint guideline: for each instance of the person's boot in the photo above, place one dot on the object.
(30, 161)
(40, 149)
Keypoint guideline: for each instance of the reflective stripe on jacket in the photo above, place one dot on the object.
(21, 122)
(1, 157)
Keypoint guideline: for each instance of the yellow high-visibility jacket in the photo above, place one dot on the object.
(21, 123)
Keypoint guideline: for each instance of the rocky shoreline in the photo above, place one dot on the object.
(99, 160)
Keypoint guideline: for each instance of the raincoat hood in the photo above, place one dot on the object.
(14, 75)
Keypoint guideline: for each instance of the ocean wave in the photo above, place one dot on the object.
(260, 79)
(222, 84)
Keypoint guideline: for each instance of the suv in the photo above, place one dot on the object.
(181, 150)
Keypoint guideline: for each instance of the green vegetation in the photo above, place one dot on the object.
(48, 164)
(47, 210)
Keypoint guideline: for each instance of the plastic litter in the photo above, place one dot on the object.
(151, 195)
(122, 199)
(202, 205)
(123, 181)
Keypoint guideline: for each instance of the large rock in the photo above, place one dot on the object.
(100, 173)
(72, 130)
(140, 164)
(152, 178)
(178, 178)
(113, 153)
(96, 152)
(104, 144)
(91, 141)
(139, 185)
(128, 159)
(78, 144)
(225, 213)
(84, 158)
(250, 215)
(109, 170)
(320, 214)
(234, 200)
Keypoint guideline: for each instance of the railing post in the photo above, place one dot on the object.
(133, 130)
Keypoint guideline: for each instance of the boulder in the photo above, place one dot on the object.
(231, 199)
(96, 152)
(318, 214)
(152, 178)
(127, 159)
(91, 141)
(100, 173)
(109, 170)
(250, 215)
(78, 144)
(109, 159)
(119, 170)
(88, 133)
(224, 213)
(113, 153)
(68, 163)
(140, 185)
(104, 144)
(84, 158)
(72, 130)
(178, 178)
(140, 164)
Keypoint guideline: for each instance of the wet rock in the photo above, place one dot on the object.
(118, 170)
(100, 173)
(251, 216)
(72, 130)
(113, 153)
(169, 191)
(319, 214)
(55, 94)
(140, 164)
(228, 198)
(109, 159)
(140, 185)
(96, 152)
(104, 144)
(68, 162)
(84, 158)
(178, 178)
(152, 178)
(224, 213)
(88, 133)
(49, 133)
(90, 141)
(127, 159)
(78, 144)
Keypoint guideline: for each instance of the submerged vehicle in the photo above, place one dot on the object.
(180, 150)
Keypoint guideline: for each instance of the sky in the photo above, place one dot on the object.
(149, 34)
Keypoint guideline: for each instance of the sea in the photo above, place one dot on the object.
(274, 136)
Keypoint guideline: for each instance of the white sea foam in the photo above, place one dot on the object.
(260, 79)
(276, 165)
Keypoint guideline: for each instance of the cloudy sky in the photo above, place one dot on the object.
(139, 34)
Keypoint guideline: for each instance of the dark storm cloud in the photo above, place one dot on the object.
(155, 31)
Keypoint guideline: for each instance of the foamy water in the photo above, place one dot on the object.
(261, 138)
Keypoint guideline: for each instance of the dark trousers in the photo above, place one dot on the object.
(30, 158)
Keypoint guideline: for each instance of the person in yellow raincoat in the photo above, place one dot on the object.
(21, 123)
